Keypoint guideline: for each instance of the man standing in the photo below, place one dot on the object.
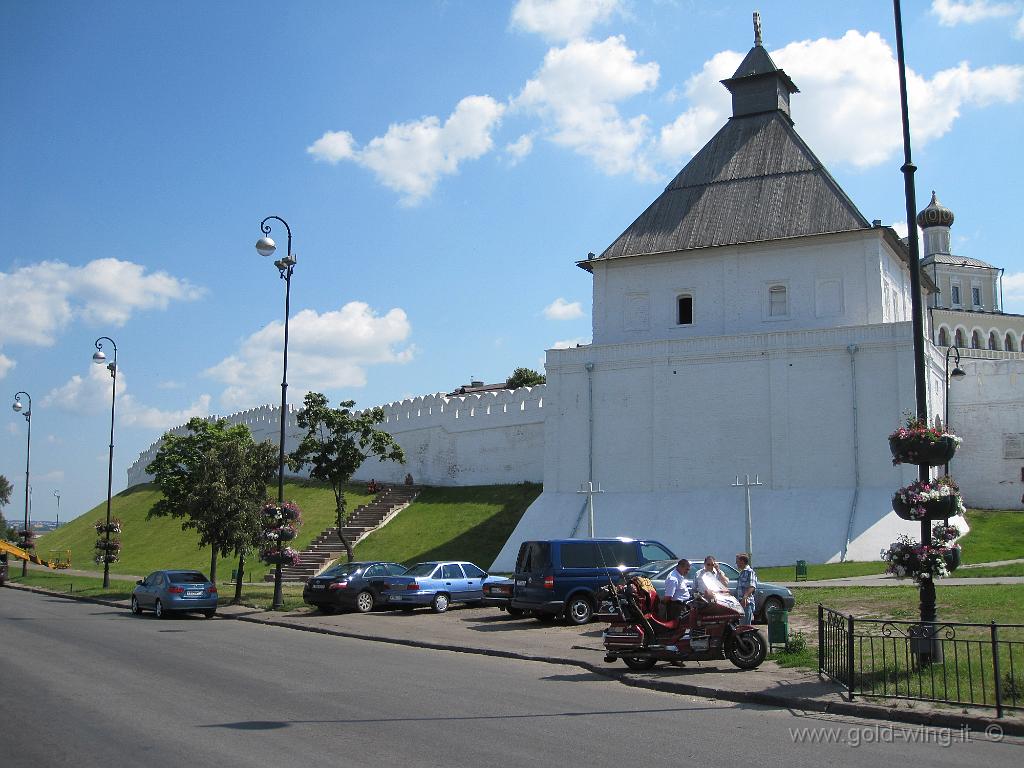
(677, 591)
(746, 585)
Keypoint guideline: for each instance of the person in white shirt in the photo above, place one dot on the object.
(677, 591)
(712, 567)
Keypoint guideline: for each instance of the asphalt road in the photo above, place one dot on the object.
(87, 685)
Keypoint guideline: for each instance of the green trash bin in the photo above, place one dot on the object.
(778, 626)
(801, 570)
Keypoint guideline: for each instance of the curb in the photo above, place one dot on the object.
(866, 711)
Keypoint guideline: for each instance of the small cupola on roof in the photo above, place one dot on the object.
(758, 85)
(935, 220)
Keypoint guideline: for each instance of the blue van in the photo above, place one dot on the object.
(562, 576)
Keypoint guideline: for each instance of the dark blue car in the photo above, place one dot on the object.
(561, 577)
(349, 586)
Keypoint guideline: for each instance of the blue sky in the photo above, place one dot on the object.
(442, 165)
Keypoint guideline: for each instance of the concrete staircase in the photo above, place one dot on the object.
(361, 522)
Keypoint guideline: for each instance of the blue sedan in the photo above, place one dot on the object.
(165, 592)
(437, 584)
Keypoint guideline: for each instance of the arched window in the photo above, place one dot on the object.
(943, 337)
(777, 301)
(1010, 346)
(959, 337)
(993, 340)
(976, 340)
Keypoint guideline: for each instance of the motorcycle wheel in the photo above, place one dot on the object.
(639, 664)
(748, 650)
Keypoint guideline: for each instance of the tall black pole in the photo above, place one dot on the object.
(285, 267)
(28, 455)
(112, 367)
(927, 605)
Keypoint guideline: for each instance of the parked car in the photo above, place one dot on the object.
(562, 576)
(171, 591)
(350, 586)
(767, 595)
(437, 584)
(498, 593)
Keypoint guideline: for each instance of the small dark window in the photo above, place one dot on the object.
(956, 294)
(976, 296)
(472, 572)
(684, 310)
(451, 571)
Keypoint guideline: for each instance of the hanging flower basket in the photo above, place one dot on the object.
(908, 559)
(932, 500)
(917, 443)
(108, 546)
(101, 526)
(102, 557)
(275, 515)
(285, 556)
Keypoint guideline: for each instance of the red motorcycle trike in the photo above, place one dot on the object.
(710, 629)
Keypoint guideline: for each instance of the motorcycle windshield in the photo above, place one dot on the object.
(710, 585)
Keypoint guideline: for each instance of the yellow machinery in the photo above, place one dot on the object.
(62, 560)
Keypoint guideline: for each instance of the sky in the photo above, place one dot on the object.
(442, 165)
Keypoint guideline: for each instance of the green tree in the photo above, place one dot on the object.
(5, 491)
(215, 478)
(524, 377)
(336, 444)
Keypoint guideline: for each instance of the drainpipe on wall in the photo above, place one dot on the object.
(852, 349)
(590, 446)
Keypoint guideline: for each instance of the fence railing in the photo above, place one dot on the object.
(979, 665)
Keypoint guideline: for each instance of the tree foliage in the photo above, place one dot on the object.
(5, 491)
(215, 479)
(336, 443)
(524, 377)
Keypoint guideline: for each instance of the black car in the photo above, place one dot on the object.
(349, 586)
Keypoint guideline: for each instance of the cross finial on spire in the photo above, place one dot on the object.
(757, 28)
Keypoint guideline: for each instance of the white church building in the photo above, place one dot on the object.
(750, 322)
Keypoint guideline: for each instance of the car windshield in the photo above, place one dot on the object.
(421, 569)
(342, 569)
(657, 567)
(187, 577)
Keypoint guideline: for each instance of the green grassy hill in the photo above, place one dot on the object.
(470, 523)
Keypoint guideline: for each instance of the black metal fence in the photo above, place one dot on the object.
(979, 665)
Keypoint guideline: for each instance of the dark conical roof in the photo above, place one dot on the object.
(756, 180)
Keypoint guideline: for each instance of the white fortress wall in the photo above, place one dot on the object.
(986, 408)
(680, 419)
(478, 439)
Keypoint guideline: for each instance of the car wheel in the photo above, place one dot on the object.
(771, 604)
(325, 609)
(515, 612)
(136, 608)
(209, 613)
(158, 609)
(579, 610)
(638, 664)
(440, 602)
(365, 601)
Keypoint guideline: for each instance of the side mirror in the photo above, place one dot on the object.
(140, 582)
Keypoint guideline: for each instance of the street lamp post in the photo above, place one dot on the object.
(99, 358)
(57, 494)
(17, 406)
(265, 246)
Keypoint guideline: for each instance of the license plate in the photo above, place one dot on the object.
(318, 586)
(397, 598)
(520, 582)
(193, 592)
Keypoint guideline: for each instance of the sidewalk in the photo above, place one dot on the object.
(490, 632)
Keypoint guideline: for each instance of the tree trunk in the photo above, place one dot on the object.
(213, 565)
(238, 580)
(349, 552)
(341, 517)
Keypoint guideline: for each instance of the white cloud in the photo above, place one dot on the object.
(562, 19)
(39, 301)
(1019, 31)
(560, 309)
(520, 148)
(411, 157)
(90, 394)
(951, 13)
(325, 351)
(848, 108)
(1013, 293)
(6, 364)
(571, 343)
(576, 92)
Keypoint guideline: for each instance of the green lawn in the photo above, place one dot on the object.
(994, 535)
(468, 523)
(160, 542)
